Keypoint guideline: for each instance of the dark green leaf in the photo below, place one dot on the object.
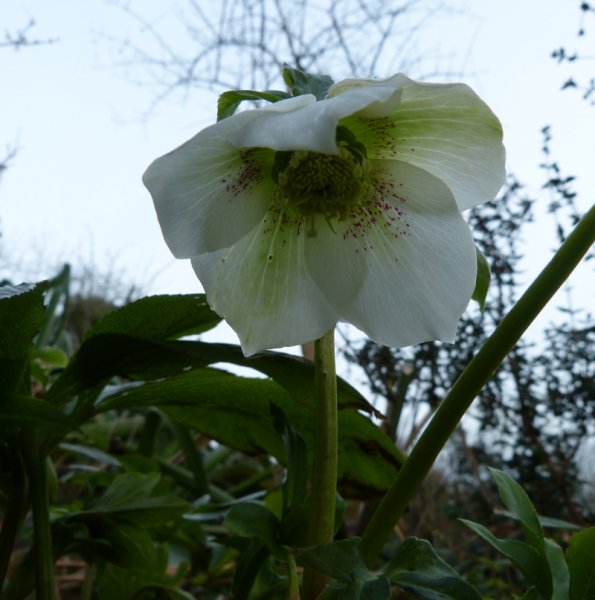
(532, 564)
(247, 568)
(560, 575)
(107, 355)
(341, 560)
(581, 564)
(417, 567)
(531, 594)
(296, 455)
(21, 315)
(300, 82)
(229, 101)
(482, 279)
(516, 500)
(376, 589)
(252, 520)
(159, 318)
(130, 546)
(236, 411)
(32, 413)
(133, 496)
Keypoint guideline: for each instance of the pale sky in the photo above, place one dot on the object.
(74, 191)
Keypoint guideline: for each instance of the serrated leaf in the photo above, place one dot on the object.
(27, 412)
(300, 82)
(482, 279)
(236, 411)
(107, 355)
(342, 560)
(162, 317)
(532, 564)
(21, 315)
(228, 102)
(580, 557)
(417, 567)
(253, 520)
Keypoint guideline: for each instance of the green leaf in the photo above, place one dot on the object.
(21, 315)
(581, 564)
(482, 279)
(133, 496)
(342, 560)
(417, 568)
(516, 500)
(253, 520)
(531, 594)
(229, 101)
(130, 545)
(56, 299)
(107, 355)
(532, 564)
(376, 589)
(159, 318)
(247, 568)
(32, 413)
(300, 82)
(295, 487)
(560, 574)
(236, 411)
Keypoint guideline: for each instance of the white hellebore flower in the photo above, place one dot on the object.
(303, 213)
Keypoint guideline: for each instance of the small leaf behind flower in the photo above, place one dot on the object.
(300, 82)
(229, 101)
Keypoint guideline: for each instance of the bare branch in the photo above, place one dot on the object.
(21, 38)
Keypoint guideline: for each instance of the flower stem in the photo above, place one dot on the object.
(469, 384)
(324, 473)
(42, 533)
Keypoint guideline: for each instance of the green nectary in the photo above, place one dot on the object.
(325, 184)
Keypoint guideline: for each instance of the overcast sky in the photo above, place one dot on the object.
(73, 192)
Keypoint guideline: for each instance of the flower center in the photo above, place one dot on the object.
(324, 184)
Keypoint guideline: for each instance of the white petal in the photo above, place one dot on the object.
(262, 288)
(313, 126)
(403, 270)
(207, 193)
(445, 129)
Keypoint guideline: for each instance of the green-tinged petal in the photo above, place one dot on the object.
(445, 129)
(262, 288)
(403, 269)
(207, 193)
(313, 127)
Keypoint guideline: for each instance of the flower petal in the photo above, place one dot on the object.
(262, 288)
(404, 270)
(314, 126)
(445, 129)
(207, 193)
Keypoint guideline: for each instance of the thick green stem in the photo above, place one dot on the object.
(469, 384)
(324, 474)
(15, 509)
(42, 533)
